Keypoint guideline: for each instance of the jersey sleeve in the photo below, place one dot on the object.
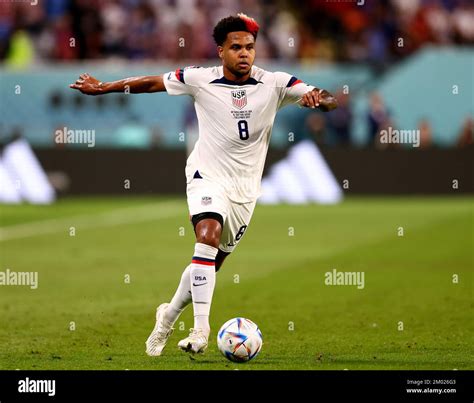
(291, 89)
(183, 81)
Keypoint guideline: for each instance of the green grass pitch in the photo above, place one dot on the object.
(411, 313)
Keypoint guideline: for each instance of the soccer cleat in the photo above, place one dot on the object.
(160, 334)
(196, 342)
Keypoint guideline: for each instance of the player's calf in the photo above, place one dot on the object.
(220, 259)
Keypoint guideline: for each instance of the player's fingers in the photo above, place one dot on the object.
(310, 100)
(316, 99)
(83, 76)
(304, 101)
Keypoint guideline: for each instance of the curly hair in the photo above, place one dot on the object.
(241, 22)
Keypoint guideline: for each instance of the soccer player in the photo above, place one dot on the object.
(236, 104)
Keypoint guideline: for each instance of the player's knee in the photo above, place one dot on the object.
(209, 239)
(208, 231)
(209, 235)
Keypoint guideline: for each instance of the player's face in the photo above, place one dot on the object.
(238, 52)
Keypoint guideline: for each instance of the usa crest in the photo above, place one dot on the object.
(206, 200)
(239, 98)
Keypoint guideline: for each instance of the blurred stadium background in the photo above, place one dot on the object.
(401, 64)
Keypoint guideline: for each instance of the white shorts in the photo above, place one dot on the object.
(205, 196)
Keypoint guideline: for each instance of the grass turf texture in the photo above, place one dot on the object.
(281, 284)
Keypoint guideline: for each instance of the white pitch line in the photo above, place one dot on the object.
(121, 216)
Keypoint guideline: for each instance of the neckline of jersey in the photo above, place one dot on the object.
(250, 81)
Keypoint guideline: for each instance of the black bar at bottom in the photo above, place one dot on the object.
(240, 385)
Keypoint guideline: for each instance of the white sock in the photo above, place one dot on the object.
(182, 297)
(203, 280)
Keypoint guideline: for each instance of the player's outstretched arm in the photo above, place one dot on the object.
(135, 85)
(319, 98)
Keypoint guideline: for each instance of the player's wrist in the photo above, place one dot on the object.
(102, 88)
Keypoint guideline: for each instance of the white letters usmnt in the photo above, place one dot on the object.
(235, 123)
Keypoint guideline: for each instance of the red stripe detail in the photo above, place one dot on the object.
(196, 261)
(176, 73)
(296, 82)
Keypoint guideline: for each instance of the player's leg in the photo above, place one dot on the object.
(205, 232)
(202, 198)
(221, 255)
(183, 295)
(203, 267)
(168, 313)
(208, 205)
(208, 229)
(218, 240)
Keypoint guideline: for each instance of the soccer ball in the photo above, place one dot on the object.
(239, 340)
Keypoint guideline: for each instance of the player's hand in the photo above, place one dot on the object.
(321, 99)
(87, 85)
(311, 99)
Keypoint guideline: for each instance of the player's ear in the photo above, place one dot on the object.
(220, 50)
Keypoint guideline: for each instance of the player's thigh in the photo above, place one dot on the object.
(235, 225)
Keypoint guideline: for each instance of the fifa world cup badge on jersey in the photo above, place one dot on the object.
(239, 98)
(206, 200)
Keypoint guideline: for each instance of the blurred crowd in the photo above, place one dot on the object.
(377, 31)
(383, 131)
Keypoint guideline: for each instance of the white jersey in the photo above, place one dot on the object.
(235, 124)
